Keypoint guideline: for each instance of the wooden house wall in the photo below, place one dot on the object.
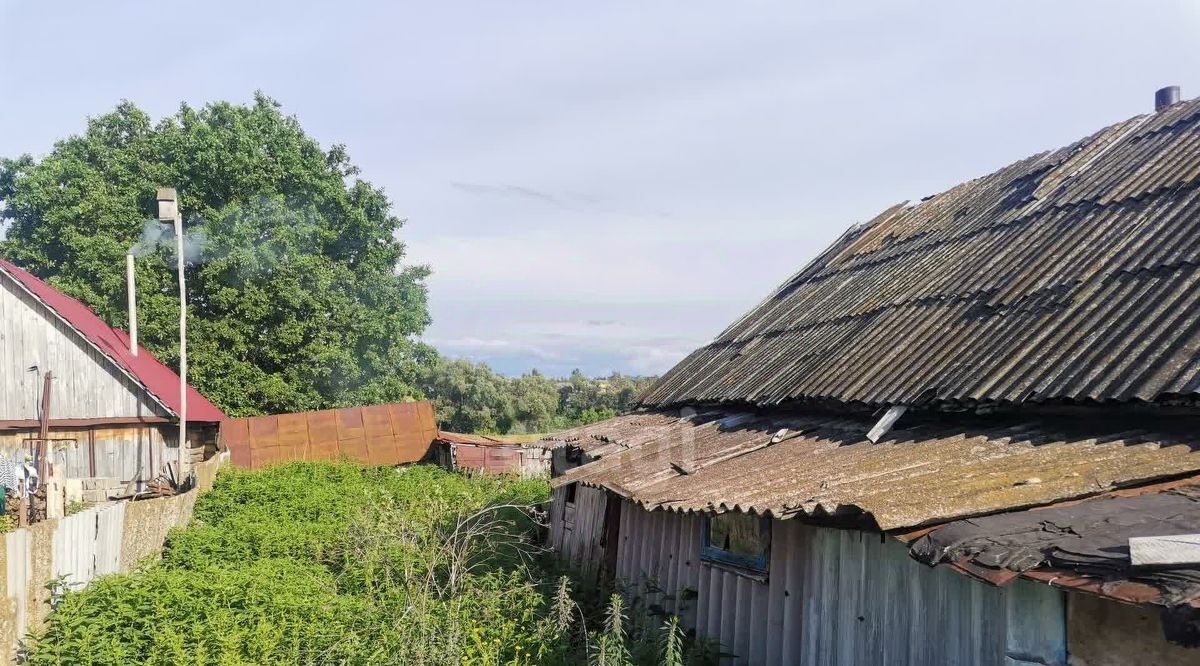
(86, 384)
(125, 452)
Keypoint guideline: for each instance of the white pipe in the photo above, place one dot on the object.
(131, 296)
(183, 459)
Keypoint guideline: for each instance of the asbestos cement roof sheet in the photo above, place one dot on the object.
(926, 471)
(1072, 276)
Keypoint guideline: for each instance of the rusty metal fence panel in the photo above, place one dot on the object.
(376, 435)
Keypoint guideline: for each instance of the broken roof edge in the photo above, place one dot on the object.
(1174, 590)
(629, 458)
(842, 515)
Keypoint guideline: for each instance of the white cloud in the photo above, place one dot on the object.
(659, 166)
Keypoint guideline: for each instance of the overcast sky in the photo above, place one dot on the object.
(605, 185)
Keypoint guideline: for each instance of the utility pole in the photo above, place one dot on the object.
(131, 300)
(168, 213)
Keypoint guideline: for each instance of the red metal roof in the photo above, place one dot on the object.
(158, 379)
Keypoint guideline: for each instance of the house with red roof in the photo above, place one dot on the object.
(112, 411)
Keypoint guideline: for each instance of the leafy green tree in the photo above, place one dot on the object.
(535, 402)
(297, 296)
(469, 397)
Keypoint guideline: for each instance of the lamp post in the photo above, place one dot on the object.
(168, 214)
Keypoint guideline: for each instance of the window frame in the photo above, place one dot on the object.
(717, 555)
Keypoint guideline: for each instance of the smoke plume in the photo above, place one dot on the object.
(156, 234)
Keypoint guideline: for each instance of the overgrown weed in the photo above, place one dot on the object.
(333, 563)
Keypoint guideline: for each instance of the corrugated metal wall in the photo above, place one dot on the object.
(88, 544)
(86, 384)
(106, 539)
(830, 596)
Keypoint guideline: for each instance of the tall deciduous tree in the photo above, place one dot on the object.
(297, 299)
(469, 397)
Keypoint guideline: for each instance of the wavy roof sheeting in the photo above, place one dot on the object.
(1071, 275)
(818, 465)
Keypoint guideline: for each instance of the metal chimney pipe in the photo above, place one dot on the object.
(131, 296)
(1164, 97)
(168, 213)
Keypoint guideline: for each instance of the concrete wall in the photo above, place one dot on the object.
(1104, 633)
(829, 596)
(86, 384)
(106, 539)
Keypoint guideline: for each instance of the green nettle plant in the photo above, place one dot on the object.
(334, 563)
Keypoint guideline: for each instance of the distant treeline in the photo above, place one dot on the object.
(471, 398)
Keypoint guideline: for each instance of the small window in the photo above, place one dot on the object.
(737, 539)
(570, 493)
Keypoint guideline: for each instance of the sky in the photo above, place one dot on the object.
(607, 185)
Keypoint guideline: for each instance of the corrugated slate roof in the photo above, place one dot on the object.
(1071, 275)
(160, 381)
(816, 465)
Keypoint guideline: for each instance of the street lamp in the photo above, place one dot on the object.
(168, 214)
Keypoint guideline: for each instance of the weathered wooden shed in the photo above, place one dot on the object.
(112, 414)
(480, 453)
(934, 443)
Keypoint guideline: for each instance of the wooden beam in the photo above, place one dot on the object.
(34, 424)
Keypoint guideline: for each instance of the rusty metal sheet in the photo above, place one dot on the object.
(293, 434)
(322, 428)
(377, 435)
(1072, 275)
(264, 431)
(349, 424)
(492, 459)
(922, 473)
(377, 421)
(235, 437)
(354, 449)
(469, 457)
